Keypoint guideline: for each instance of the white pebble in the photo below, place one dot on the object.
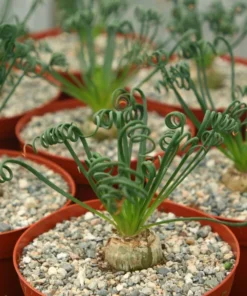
(52, 271)
(62, 256)
(62, 272)
(26, 259)
(23, 183)
(88, 216)
(188, 278)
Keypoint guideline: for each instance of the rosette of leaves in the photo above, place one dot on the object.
(230, 23)
(127, 194)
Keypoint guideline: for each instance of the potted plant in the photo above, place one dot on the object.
(127, 194)
(22, 203)
(18, 92)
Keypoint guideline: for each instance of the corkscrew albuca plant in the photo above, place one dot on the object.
(120, 62)
(230, 23)
(178, 77)
(128, 194)
(99, 81)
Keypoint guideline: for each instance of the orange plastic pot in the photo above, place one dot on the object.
(8, 139)
(9, 284)
(68, 163)
(48, 223)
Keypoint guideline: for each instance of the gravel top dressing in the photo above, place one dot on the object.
(204, 190)
(69, 45)
(221, 96)
(67, 260)
(30, 94)
(25, 199)
(79, 116)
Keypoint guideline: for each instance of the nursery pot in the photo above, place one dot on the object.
(75, 211)
(68, 163)
(9, 284)
(8, 139)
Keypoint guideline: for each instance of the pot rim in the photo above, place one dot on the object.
(92, 202)
(51, 165)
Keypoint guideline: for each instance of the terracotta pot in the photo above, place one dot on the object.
(8, 139)
(68, 163)
(197, 111)
(9, 284)
(48, 223)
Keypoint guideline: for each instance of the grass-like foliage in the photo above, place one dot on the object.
(230, 23)
(127, 193)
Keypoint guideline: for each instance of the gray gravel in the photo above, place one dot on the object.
(31, 93)
(221, 97)
(25, 200)
(79, 116)
(203, 189)
(67, 260)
